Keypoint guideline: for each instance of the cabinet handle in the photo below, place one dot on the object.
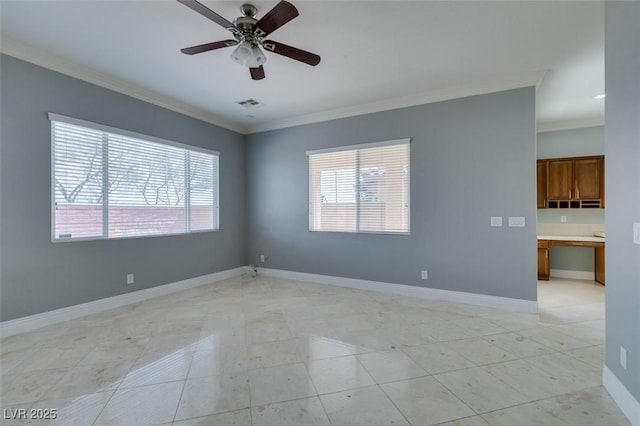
(577, 192)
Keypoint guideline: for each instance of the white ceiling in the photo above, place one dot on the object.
(376, 55)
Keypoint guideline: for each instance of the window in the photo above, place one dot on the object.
(111, 183)
(361, 188)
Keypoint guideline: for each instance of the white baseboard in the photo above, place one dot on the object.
(518, 305)
(33, 322)
(573, 275)
(621, 395)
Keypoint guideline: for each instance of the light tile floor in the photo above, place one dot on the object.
(262, 351)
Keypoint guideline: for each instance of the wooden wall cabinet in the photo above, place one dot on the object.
(576, 182)
(541, 176)
(560, 180)
(589, 179)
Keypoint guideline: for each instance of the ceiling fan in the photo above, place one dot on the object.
(249, 35)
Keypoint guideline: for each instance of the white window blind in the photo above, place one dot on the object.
(360, 188)
(114, 184)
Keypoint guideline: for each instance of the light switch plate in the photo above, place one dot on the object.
(636, 233)
(516, 222)
(496, 221)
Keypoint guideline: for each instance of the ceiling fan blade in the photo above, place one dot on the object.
(206, 12)
(257, 73)
(208, 46)
(292, 52)
(281, 13)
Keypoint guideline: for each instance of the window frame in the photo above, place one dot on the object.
(53, 117)
(356, 147)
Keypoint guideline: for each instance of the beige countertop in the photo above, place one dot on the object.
(590, 238)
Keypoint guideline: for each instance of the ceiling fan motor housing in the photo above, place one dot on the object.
(248, 10)
(244, 26)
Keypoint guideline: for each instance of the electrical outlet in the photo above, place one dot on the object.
(262, 258)
(129, 278)
(424, 275)
(563, 219)
(623, 357)
(636, 233)
(496, 221)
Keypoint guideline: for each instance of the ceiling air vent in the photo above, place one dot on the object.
(250, 104)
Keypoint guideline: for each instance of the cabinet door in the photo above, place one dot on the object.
(599, 265)
(560, 180)
(544, 268)
(588, 176)
(541, 176)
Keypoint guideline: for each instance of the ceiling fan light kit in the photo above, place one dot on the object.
(248, 55)
(249, 34)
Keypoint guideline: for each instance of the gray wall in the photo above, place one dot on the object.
(572, 259)
(38, 275)
(571, 143)
(575, 216)
(622, 148)
(471, 158)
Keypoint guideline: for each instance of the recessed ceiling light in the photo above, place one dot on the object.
(601, 96)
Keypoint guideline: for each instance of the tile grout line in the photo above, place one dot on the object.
(394, 404)
(120, 384)
(184, 385)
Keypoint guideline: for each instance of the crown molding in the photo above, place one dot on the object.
(513, 81)
(39, 57)
(570, 124)
(47, 60)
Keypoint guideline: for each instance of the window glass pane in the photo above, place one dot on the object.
(333, 191)
(203, 175)
(384, 189)
(338, 186)
(77, 182)
(146, 188)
